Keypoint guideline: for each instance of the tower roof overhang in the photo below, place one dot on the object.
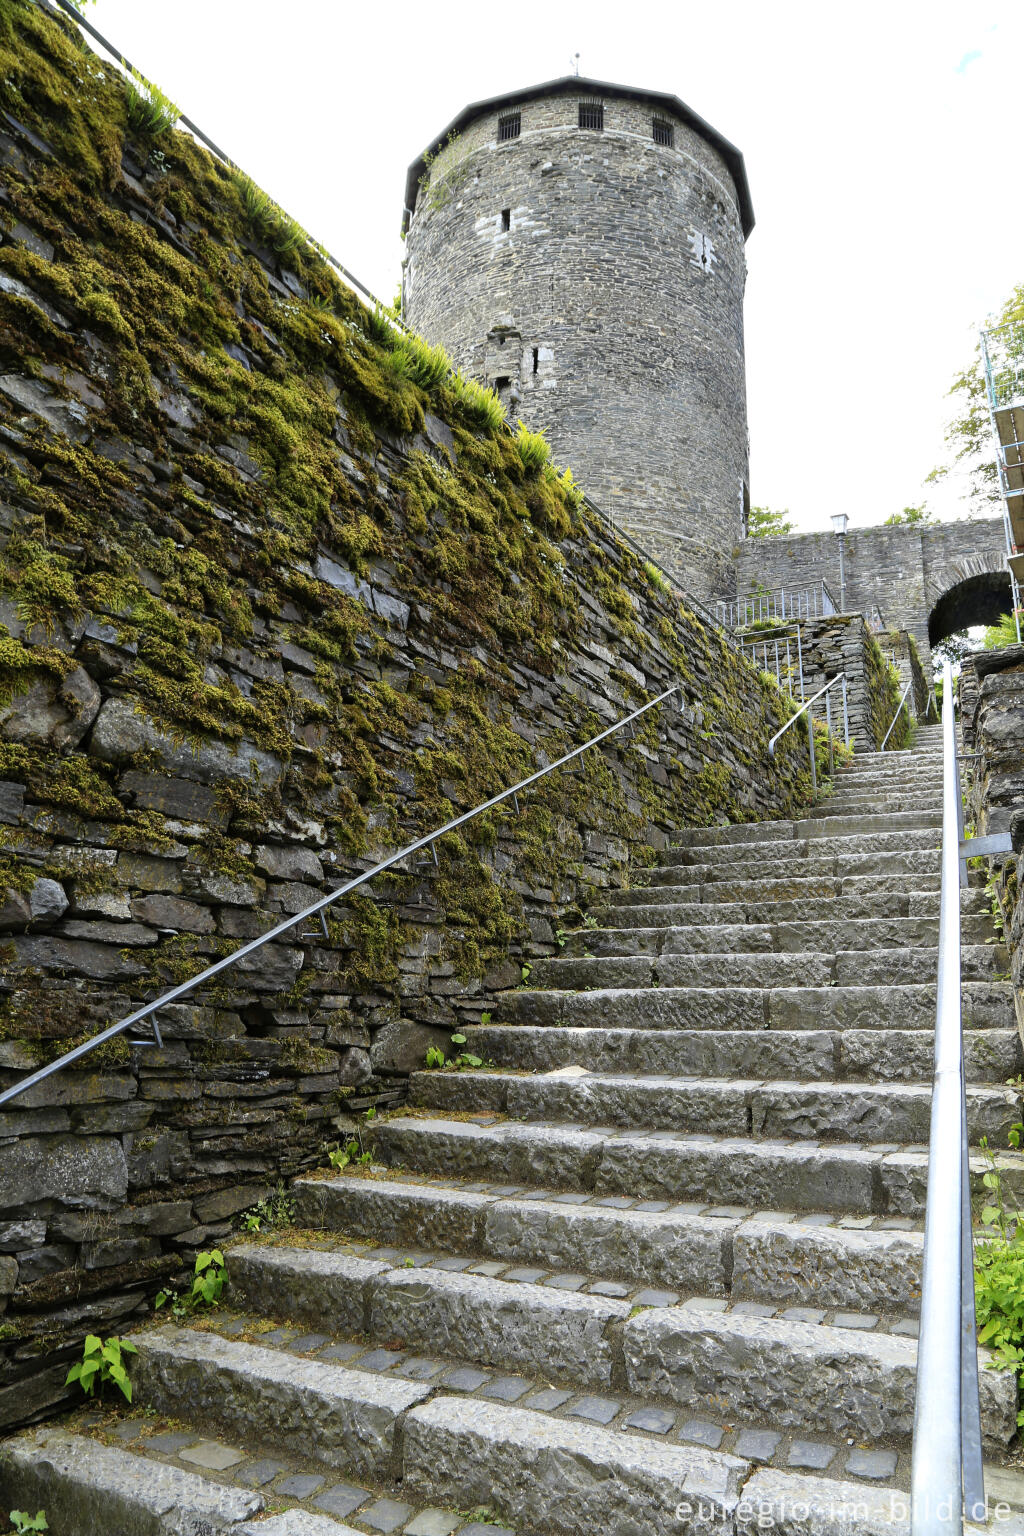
(657, 99)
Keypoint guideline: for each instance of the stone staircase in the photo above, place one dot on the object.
(659, 1273)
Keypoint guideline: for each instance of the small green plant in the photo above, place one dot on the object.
(23, 1522)
(149, 110)
(208, 1280)
(534, 449)
(591, 922)
(485, 1019)
(999, 1269)
(526, 972)
(435, 1057)
(560, 937)
(655, 577)
(267, 220)
(342, 1156)
(481, 405)
(276, 1210)
(101, 1362)
(464, 1059)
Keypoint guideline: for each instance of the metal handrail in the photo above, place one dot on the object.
(808, 705)
(947, 1469)
(318, 908)
(197, 133)
(899, 711)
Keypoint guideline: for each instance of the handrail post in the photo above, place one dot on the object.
(828, 727)
(810, 739)
(846, 716)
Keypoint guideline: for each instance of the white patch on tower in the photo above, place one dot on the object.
(703, 251)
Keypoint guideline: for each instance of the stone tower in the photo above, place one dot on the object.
(580, 247)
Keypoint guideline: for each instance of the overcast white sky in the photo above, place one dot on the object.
(882, 144)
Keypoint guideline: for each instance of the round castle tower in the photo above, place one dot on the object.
(580, 247)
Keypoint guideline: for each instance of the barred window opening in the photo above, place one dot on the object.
(592, 114)
(509, 126)
(662, 132)
(506, 218)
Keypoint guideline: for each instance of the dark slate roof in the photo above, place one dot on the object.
(669, 104)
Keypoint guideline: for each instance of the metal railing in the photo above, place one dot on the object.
(783, 605)
(318, 909)
(396, 321)
(774, 654)
(896, 716)
(808, 708)
(947, 1463)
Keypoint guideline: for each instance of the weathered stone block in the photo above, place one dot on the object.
(73, 1170)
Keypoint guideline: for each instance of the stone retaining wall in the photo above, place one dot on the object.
(992, 713)
(269, 609)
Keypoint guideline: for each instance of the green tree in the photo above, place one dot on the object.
(910, 516)
(764, 522)
(1003, 633)
(969, 434)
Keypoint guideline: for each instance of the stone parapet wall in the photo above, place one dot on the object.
(270, 609)
(947, 575)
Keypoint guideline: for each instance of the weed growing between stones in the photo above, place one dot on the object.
(101, 1363)
(25, 1522)
(999, 1268)
(208, 1281)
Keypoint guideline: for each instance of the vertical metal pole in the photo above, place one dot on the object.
(800, 661)
(937, 1475)
(846, 716)
(810, 738)
(842, 573)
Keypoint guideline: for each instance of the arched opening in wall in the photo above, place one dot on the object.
(979, 599)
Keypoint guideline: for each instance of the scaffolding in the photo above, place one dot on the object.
(1003, 352)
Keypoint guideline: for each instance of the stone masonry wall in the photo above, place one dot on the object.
(992, 714)
(952, 574)
(270, 608)
(594, 305)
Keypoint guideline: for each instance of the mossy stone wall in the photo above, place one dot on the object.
(269, 609)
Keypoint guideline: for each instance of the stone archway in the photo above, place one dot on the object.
(974, 589)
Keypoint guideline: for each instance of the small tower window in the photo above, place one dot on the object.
(592, 115)
(501, 384)
(536, 359)
(509, 126)
(506, 218)
(662, 132)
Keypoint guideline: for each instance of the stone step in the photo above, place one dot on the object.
(767, 893)
(822, 935)
(889, 1055)
(87, 1487)
(856, 967)
(986, 1005)
(563, 1476)
(860, 1112)
(855, 1180)
(876, 800)
(827, 1380)
(747, 1258)
(975, 922)
(756, 864)
(797, 1374)
(920, 818)
(342, 1418)
(828, 843)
